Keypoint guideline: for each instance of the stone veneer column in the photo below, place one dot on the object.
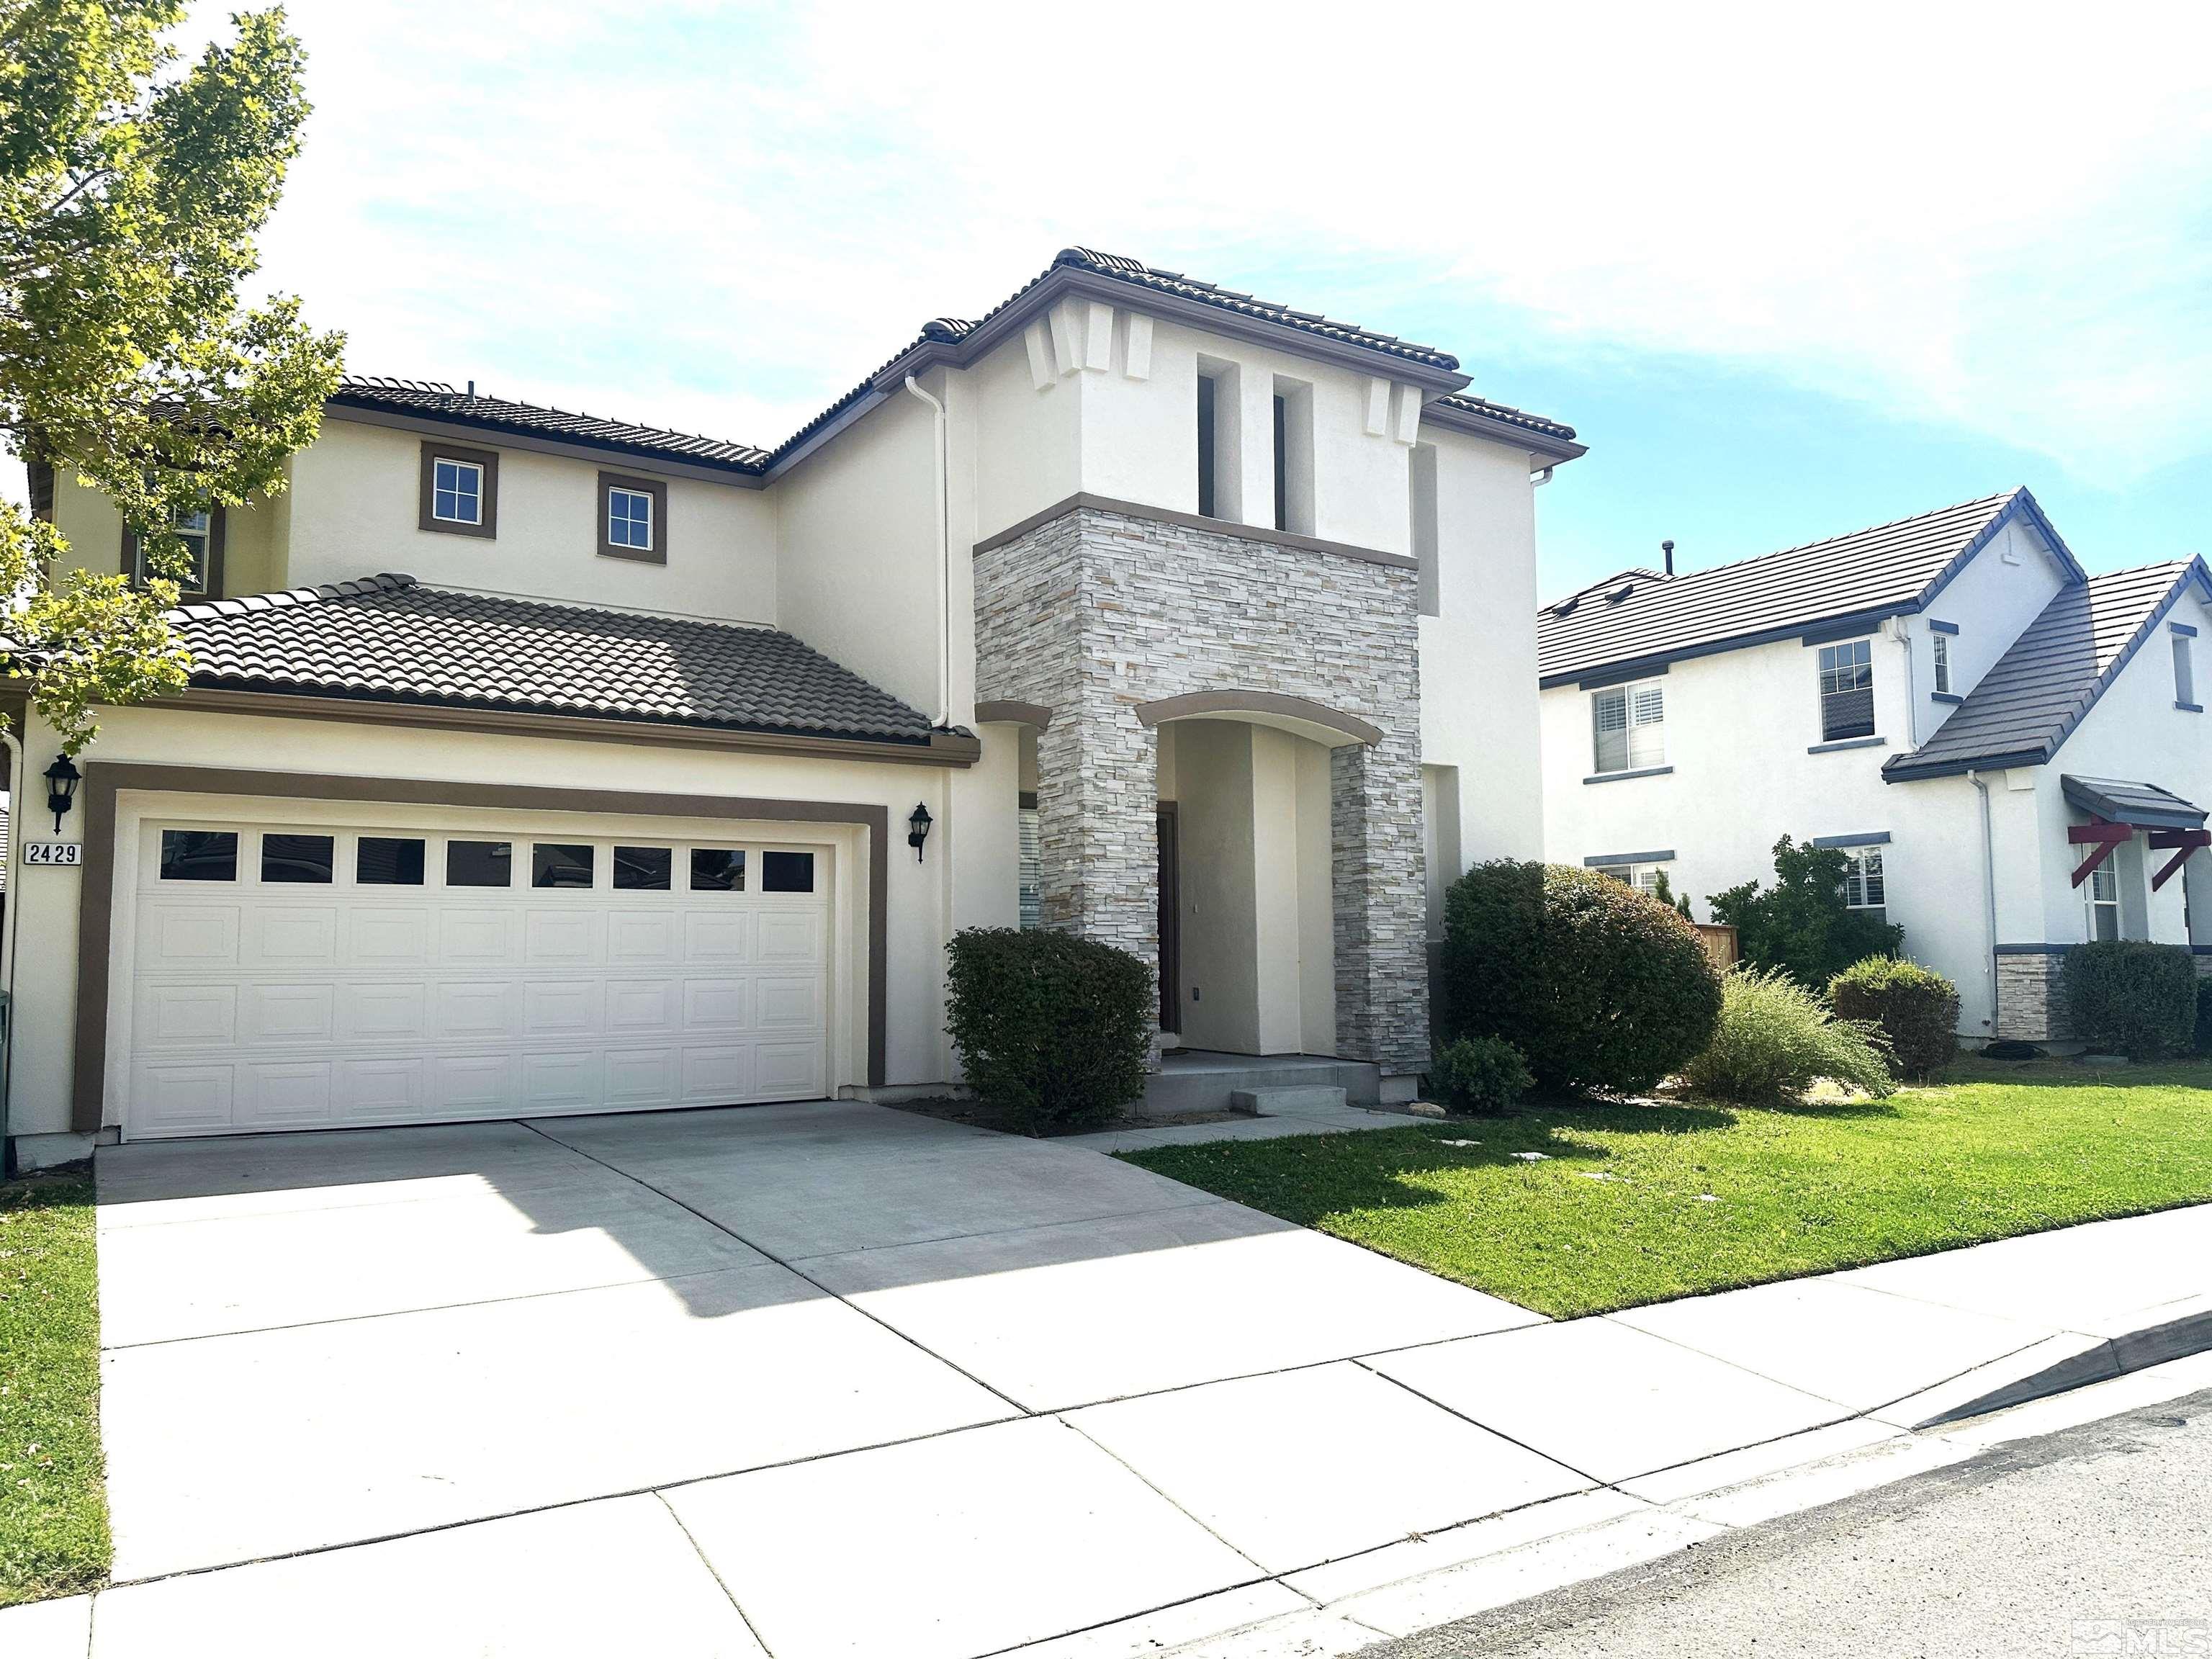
(1378, 881)
(1097, 796)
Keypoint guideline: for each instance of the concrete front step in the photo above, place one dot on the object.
(1296, 1102)
(1206, 1085)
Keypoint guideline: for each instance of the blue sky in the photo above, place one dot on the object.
(1789, 276)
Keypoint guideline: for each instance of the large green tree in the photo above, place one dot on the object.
(132, 185)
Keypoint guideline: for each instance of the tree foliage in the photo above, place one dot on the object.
(131, 190)
(1802, 926)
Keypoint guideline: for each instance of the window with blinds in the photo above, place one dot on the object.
(1629, 725)
(1847, 690)
(1864, 888)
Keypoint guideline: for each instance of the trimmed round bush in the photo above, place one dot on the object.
(1484, 1075)
(1917, 1008)
(1775, 1039)
(1600, 987)
(2128, 996)
(1053, 1030)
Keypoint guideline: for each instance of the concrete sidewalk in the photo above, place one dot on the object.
(1173, 1425)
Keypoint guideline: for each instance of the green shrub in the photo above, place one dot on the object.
(1600, 987)
(1917, 1008)
(1483, 1074)
(2204, 1013)
(2128, 996)
(1776, 1038)
(1802, 925)
(1053, 1030)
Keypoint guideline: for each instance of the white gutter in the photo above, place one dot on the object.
(1989, 890)
(944, 563)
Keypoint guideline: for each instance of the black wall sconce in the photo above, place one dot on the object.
(917, 830)
(62, 779)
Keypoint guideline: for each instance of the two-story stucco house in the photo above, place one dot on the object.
(540, 763)
(2012, 753)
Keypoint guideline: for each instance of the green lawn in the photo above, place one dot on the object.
(1704, 1197)
(53, 1506)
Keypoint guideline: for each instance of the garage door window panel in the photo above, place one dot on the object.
(718, 870)
(479, 864)
(304, 859)
(786, 873)
(645, 869)
(199, 855)
(561, 864)
(388, 861)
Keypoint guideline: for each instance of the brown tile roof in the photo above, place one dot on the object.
(389, 638)
(437, 399)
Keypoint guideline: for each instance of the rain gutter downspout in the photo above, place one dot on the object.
(1989, 889)
(943, 562)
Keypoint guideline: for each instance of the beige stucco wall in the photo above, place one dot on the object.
(355, 511)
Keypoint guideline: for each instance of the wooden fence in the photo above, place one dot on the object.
(1720, 944)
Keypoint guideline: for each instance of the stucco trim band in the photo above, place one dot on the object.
(105, 779)
(1202, 705)
(949, 749)
(1251, 533)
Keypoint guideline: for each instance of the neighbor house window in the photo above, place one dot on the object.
(1629, 726)
(1942, 643)
(2184, 668)
(2104, 899)
(633, 519)
(459, 491)
(199, 573)
(1863, 888)
(1644, 877)
(1846, 691)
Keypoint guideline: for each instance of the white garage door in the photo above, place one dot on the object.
(295, 977)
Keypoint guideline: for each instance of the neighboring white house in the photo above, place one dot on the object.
(2012, 754)
(662, 776)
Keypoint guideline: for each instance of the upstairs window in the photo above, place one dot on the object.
(1629, 726)
(1209, 392)
(460, 491)
(1220, 459)
(1864, 888)
(1943, 644)
(1293, 458)
(1846, 691)
(198, 573)
(1645, 878)
(633, 519)
(2185, 669)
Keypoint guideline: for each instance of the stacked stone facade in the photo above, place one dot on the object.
(2030, 1008)
(1096, 612)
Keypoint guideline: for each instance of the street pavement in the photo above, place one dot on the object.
(2094, 1539)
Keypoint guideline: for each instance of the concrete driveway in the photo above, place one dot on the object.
(791, 1343)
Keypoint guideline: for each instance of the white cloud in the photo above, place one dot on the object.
(1999, 219)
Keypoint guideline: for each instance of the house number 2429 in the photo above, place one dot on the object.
(53, 851)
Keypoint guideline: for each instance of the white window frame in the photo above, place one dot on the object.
(1942, 652)
(1866, 883)
(199, 539)
(616, 492)
(2101, 893)
(438, 464)
(1644, 877)
(1833, 661)
(1644, 726)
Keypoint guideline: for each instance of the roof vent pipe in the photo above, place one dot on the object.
(1668, 548)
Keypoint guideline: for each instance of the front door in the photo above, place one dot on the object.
(1170, 923)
